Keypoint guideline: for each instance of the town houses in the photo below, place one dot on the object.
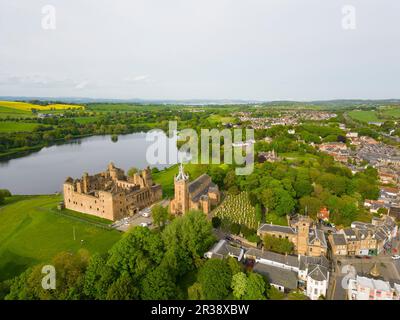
(284, 272)
(364, 239)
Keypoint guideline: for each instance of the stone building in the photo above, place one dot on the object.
(364, 239)
(307, 239)
(200, 194)
(111, 194)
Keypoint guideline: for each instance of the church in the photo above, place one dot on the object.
(200, 194)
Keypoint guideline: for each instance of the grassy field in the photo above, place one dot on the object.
(32, 231)
(6, 112)
(364, 116)
(215, 118)
(29, 106)
(13, 126)
(391, 112)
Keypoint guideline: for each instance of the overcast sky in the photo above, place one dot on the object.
(186, 49)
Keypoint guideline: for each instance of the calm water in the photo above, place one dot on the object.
(44, 172)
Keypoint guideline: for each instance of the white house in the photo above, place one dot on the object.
(363, 288)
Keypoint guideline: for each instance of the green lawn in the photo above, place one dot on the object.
(13, 126)
(216, 118)
(6, 112)
(391, 112)
(32, 231)
(364, 116)
(85, 120)
(295, 156)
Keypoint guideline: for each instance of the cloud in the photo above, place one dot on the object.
(141, 78)
(82, 84)
(35, 80)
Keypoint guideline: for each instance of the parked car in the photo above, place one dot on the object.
(144, 224)
(396, 257)
(146, 214)
(228, 238)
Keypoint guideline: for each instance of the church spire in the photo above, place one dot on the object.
(181, 175)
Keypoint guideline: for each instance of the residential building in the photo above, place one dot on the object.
(307, 239)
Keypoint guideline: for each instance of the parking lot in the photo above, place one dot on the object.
(142, 218)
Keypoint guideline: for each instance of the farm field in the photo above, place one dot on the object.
(6, 112)
(32, 231)
(237, 209)
(29, 106)
(391, 112)
(215, 118)
(364, 116)
(13, 126)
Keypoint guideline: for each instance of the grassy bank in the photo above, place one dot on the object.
(32, 231)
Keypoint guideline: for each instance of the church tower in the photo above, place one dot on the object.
(181, 200)
(303, 230)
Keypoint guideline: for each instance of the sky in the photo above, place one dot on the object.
(201, 49)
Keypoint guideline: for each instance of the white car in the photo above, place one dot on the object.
(144, 224)
(396, 257)
(146, 214)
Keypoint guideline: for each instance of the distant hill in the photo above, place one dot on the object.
(202, 102)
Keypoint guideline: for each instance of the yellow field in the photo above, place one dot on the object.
(29, 106)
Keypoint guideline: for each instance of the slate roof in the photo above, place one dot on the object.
(317, 272)
(195, 184)
(275, 228)
(289, 260)
(307, 261)
(339, 239)
(223, 249)
(278, 276)
(317, 234)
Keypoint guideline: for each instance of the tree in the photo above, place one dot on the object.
(259, 215)
(215, 279)
(239, 285)
(123, 289)
(137, 252)
(310, 205)
(255, 289)
(285, 203)
(251, 287)
(303, 188)
(278, 245)
(4, 193)
(159, 214)
(216, 222)
(159, 284)
(195, 292)
(186, 240)
(70, 270)
(98, 278)
(235, 228)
